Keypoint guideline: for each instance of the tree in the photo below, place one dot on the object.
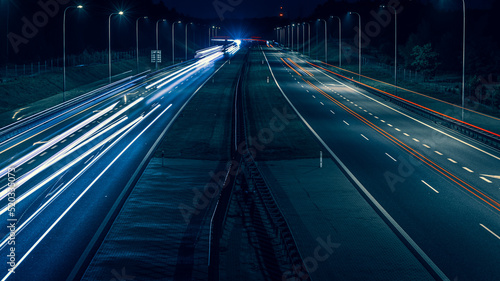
(425, 61)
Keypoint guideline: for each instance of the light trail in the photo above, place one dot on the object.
(81, 195)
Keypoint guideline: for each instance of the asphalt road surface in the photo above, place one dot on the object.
(71, 171)
(441, 188)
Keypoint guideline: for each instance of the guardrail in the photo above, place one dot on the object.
(49, 114)
(441, 119)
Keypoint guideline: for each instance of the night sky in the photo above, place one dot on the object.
(295, 8)
(88, 28)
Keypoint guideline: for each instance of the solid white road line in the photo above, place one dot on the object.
(364, 137)
(428, 185)
(391, 220)
(391, 157)
(489, 230)
(414, 119)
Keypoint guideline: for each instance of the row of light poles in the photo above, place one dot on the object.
(109, 42)
(395, 46)
(212, 32)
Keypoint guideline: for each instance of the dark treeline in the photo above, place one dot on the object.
(87, 29)
(420, 23)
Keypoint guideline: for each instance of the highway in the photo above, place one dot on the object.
(70, 173)
(438, 190)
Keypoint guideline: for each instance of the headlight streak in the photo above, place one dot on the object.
(70, 148)
(54, 159)
(128, 128)
(182, 71)
(72, 163)
(83, 193)
(55, 140)
(204, 61)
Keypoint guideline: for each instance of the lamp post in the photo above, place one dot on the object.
(173, 41)
(340, 39)
(137, 39)
(292, 36)
(303, 37)
(109, 42)
(326, 40)
(186, 39)
(209, 39)
(395, 45)
(359, 44)
(64, 47)
(288, 30)
(298, 37)
(463, 61)
(157, 50)
(309, 37)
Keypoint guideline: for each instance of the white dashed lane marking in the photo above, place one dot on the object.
(485, 179)
(468, 170)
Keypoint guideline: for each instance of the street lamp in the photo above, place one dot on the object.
(186, 37)
(463, 61)
(64, 47)
(326, 40)
(303, 38)
(359, 44)
(292, 36)
(210, 29)
(109, 42)
(395, 45)
(157, 47)
(173, 41)
(340, 39)
(309, 36)
(137, 39)
(298, 37)
(288, 30)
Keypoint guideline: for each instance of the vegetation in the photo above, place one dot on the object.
(425, 61)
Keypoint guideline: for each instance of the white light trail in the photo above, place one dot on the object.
(55, 140)
(81, 195)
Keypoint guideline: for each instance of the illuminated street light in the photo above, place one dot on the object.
(298, 37)
(463, 61)
(173, 41)
(340, 39)
(64, 48)
(309, 36)
(137, 40)
(326, 40)
(395, 46)
(359, 44)
(186, 39)
(109, 42)
(157, 47)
